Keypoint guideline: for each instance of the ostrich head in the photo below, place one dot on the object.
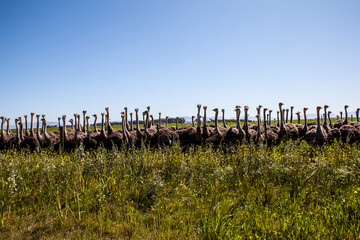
(94, 115)
(346, 107)
(84, 112)
(216, 110)
(326, 107)
(136, 110)
(305, 109)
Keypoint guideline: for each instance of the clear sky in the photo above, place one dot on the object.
(60, 57)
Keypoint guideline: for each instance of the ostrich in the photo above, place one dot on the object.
(139, 134)
(218, 135)
(89, 142)
(30, 142)
(300, 127)
(84, 121)
(46, 141)
(291, 114)
(223, 117)
(318, 134)
(166, 121)
(26, 126)
(341, 115)
(270, 135)
(250, 133)
(131, 122)
(237, 133)
(115, 138)
(334, 133)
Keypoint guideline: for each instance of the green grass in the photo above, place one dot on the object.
(292, 191)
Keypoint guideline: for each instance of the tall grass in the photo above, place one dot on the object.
(292, 191)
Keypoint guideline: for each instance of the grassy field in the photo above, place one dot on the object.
(292, 191)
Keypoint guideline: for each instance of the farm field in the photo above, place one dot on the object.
(249, 191)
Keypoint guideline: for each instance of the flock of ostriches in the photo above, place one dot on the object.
(284, 128)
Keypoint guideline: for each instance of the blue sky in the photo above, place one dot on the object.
(60, 57)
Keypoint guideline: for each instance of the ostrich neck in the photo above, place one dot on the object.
(26, 126)
(95, 127)
(278, 123)
(102, 123)
(318, 121)
(325, 117)
(305, 119)
(38, 128)
(237, 119)
(64, 130)
(131, 119)
(281, 119)
(216, 122)
(330, 123)
(223, 118)
(269, 123)
(258, 126)
(357, 115)
(84, 122)
(137, 122)
(8, 127)
(246, 121)
(88, 128)
(298, 118)
(21, 130)
(291, 115)
(17, 131)
(346, 116)
(204, 124)
(2, 128)
(31, 126)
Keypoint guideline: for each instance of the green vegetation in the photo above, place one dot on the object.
(291, 191)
